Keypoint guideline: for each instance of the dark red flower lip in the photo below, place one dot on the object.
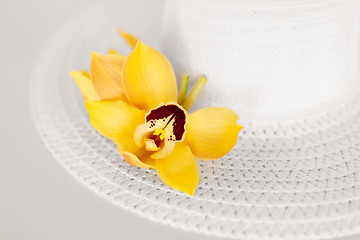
(176, 113)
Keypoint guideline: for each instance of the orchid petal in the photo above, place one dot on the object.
(165, 151)
(148, 78)
(116, 120)
(113, 51)
(105, 72)
(212, 132)
(130, 39)
(82, 80)
(179, 170)
(134, 159)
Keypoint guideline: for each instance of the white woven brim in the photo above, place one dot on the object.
(294, 180)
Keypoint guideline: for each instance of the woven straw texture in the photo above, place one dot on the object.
(272, 60)
(298, 179)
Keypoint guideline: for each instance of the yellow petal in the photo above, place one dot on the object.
(179, 170)
(129, 38)
(165, 151)
(82, 80)
(194, 93)
(212, 132)
(117, 121)
(148, 78)
(113, 51)
(105, 72)
(134, 160)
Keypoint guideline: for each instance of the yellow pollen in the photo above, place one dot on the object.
(160, 132)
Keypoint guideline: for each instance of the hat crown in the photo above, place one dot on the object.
(267, 60)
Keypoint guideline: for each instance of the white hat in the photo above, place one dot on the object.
(290, 69)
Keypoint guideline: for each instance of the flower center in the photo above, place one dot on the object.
(155, 140)
(163, 127)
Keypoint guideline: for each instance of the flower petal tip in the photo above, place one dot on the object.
(179, 170)
(139, 46)
(112, 51)
(239, 127)
(130, 39)
(82, 80)
(95, 55)
(190, 189)
(191, 192)
(134, 160)
(73, 74)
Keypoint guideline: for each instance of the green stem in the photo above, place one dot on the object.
(194, 94)
(183, 88)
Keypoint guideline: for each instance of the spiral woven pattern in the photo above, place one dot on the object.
(290, 180)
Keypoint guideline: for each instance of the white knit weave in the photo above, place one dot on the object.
(287, 178)
(268, 60)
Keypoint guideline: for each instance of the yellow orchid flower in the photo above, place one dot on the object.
(135, 102)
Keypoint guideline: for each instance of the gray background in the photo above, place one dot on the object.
(38, 198)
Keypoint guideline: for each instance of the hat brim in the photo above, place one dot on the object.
(293, 180)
